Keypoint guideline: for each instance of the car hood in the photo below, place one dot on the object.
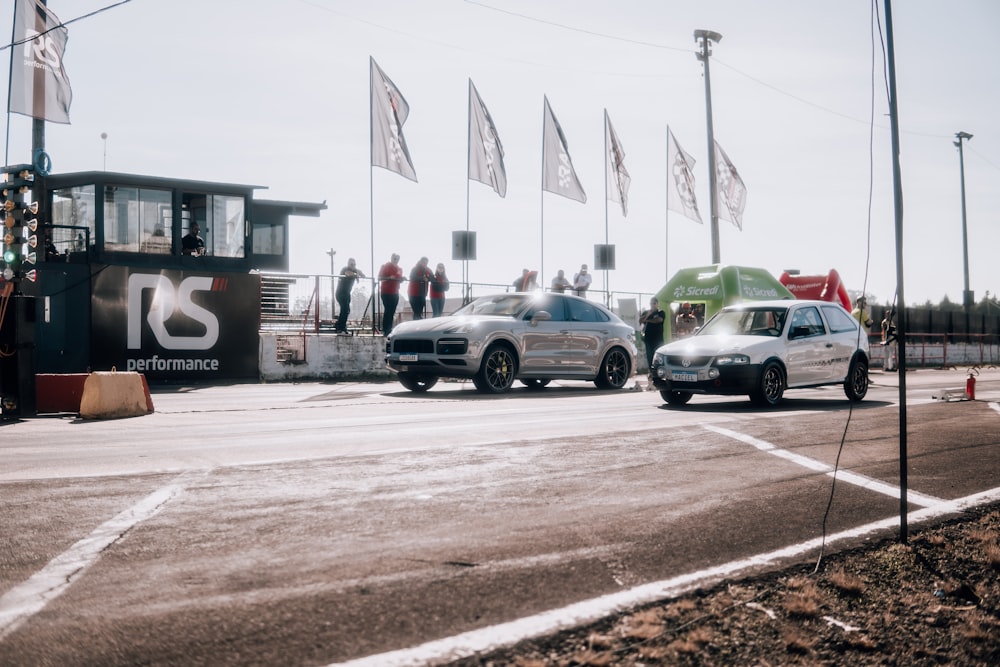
(715, 345)
(459, 324)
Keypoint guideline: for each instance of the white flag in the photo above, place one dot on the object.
(389, 112)
(485, 149)
(558, 175)
(732, 194)
(39, 86)
(680, 180)
(618, 178)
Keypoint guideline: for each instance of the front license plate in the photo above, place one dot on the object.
(407, 357)
(683, 377)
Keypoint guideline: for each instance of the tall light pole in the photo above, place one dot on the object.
(967, 297)
(706, 37)
(104, 138)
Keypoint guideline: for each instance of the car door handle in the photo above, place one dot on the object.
(829, 345)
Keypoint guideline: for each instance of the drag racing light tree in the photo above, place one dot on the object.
(19, 230)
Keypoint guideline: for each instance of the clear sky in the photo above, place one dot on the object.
(276, 94)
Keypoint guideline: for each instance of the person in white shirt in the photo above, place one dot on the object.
(581, 281)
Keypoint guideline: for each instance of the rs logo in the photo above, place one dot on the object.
(165, 300)
(44, 49)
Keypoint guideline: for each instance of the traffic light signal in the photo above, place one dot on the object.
(19, 238)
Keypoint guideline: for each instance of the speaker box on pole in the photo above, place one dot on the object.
(604, 257)
(463, 245)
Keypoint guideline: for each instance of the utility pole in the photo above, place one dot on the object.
(967, 297)
(706, 37)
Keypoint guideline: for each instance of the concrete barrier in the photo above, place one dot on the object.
(112, 395)
(59, 392)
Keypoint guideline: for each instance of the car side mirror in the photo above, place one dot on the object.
(540, 316)
(800, 331)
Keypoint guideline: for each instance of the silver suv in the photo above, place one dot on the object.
(761, 349)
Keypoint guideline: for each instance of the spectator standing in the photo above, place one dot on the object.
(685, 323)
(192, 243)
(345, 285)
(526, 282)
(652, 330)
(559, 283)
(889, 341)
(581, 281)
(861, 314)
(420, 279)
(389, 278)
(439, 285)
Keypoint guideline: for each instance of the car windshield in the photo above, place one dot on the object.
(507, 305)
(746, 322)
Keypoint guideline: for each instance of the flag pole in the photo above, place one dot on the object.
(666, 217)
(10, 84)
(541, 268)
(376, 302)
(466, 288)
(607, 287)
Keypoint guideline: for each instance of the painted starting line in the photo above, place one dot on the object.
(506, 634)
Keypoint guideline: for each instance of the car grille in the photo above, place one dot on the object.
(679, 360)
(413, 345)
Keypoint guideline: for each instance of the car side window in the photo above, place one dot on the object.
(839, 319)
(551, 303)
(582, 311)
(806, 322)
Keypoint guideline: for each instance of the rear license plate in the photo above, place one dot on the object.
(407, 357)
(683, 377)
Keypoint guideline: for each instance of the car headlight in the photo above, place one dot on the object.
(732, 360)
(464, 328)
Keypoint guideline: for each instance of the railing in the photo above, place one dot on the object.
(925, 350)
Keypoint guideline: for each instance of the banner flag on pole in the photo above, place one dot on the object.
(39, 86)
(618, 178)
(680, 180)
(732, 192)
(389, 112)
(485, 150)
(558, 175)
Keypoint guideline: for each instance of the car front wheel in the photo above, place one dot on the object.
(856, 384)
(416, 382)
(676, 397)
(497, 373)
(771, 385)
(615, 370)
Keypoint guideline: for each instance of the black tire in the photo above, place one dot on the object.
(534, 383)
(856, 383)
(770, 385)
(615, 370)
(676, 397)
(497, 372)
(416, 382)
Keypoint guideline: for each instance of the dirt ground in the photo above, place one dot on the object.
(932, 601)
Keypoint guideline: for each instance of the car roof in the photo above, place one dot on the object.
(780, 303)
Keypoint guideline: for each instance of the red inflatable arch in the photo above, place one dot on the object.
(825, 288)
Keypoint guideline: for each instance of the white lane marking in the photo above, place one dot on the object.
(27, 599)
(827, 469)
(506, 634)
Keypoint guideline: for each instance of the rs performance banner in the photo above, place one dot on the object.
(176, 325)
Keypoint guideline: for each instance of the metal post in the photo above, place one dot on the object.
(706, 37)
(901, 315)
(967, 296)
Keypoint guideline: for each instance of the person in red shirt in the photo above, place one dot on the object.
(439, 285)
(420, 278)
(389, 277)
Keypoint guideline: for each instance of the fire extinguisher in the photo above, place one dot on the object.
(970, 383)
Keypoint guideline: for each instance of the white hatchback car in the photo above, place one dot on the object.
(762, 348)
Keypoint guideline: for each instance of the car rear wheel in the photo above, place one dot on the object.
(534, 383)
(497, 373)
(770, 386)
(856, 384)
(416, 382)
(615, 370)
(676, 397)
